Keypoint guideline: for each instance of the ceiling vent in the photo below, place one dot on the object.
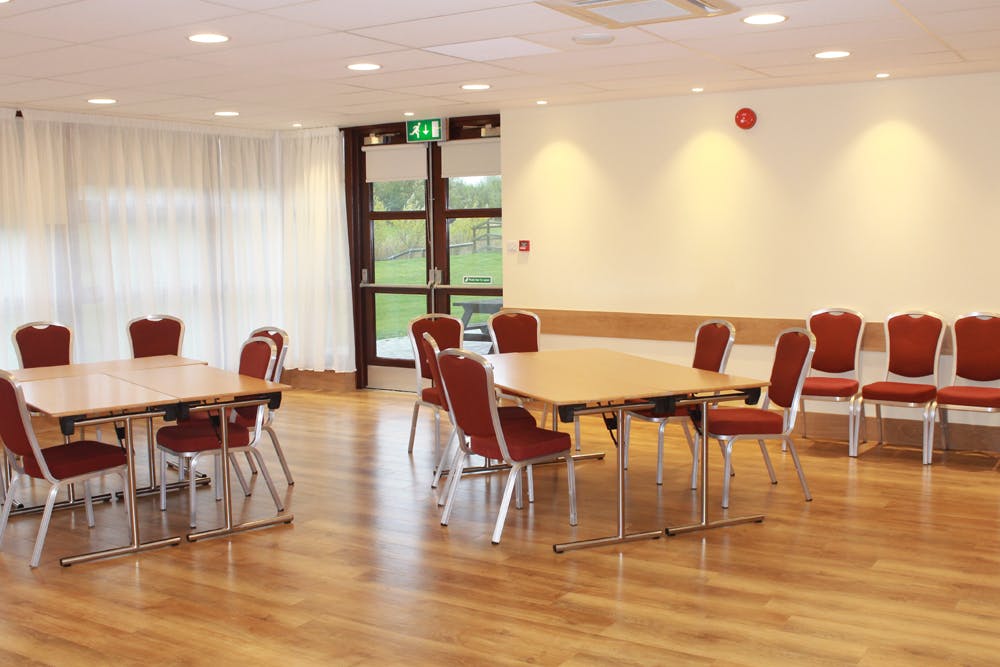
(626, 13)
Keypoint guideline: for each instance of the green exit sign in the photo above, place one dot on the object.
(477, 280)
(424, 130)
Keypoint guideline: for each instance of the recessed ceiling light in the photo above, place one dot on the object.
(227, 114)
(765, 19)
(698, 89)
(408, 113)
(296, 124)
(882, 75)
(208, 38)
(831, 55)
(541, 103)
(99, 100)
(593, 38)
(364, 67)
(476, 86)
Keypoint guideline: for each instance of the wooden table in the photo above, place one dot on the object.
(572, 379)
(142, 388)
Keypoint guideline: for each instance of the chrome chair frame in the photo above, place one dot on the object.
(268, 425)
(421, 379)
(941, 409)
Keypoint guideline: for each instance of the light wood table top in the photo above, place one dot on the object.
(90, 394)
(198, 382)
(91, 368)
(567, 377)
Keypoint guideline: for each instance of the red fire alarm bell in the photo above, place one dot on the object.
(524, 246)
(746, 118)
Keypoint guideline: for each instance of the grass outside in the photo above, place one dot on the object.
(394, 311)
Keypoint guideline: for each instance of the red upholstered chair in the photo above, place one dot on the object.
(836, 364)
(793, 351)
(472, 397)
(43, 344)
(713, 341)
(280, 339)
(447, 330)
(913, 349)
(59, 465)
(975, 384)
(514, 331)
(153, 335)
(190, 439)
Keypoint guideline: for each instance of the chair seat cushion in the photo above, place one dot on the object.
(432, 395)
(900, 392)
(199, 436)
(833, 387)
(980, 397)
(523, 442)
(743, 421)
(77, 458)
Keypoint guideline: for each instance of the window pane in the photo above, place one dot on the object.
(474, 251)
(474, 311)
(400, 249)
(399, 196)
(392, 313)
(474, 192)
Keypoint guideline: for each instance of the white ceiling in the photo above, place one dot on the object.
(286, 60)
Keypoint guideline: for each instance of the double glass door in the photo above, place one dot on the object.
(428, 240)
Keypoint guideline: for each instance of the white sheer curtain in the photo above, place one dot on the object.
(102, 221)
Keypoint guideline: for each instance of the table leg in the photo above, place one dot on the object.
(705, 524)
(135, 545)
(621, 536)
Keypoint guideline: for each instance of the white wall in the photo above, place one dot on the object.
(881, 196)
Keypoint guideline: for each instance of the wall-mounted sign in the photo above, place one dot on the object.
(430, 129)
(477, 280)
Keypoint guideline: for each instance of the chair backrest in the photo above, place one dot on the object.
(447, 331)
(43, 344)
(430, 351)
(257, 359)
(16, 431)
(153, 335)
(913, 344)
(838, 334)
(471, 396)
(514, 331)
(793, 353)
(976, 346)
(280, 339)
(713, 341)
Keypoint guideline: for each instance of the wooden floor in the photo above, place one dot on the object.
(893, 563)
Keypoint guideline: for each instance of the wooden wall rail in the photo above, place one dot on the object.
(674, 327)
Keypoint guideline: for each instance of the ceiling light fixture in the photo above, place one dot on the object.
(765, 19)
(208, 38)
(593, 38)
(296, 124)
(541, 103)
(882, 75)
(408, 113)
(364, 67)
(227, 114)
(698, 89)
(832, 55)
(101, 100)
(476, 86)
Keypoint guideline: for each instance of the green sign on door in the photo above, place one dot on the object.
(424, 130)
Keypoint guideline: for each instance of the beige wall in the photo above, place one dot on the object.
(881, 196)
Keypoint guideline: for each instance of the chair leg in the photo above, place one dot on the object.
(799, 470)
(8, 502)
(413, 426)
(43, 528)
(88, 503)
(192, 495)
(239, 475)
(530, 474)
(454, 477)
(508, 491)
(802, 413)
(446, 455)
(571, 482)
(881, 428)
(437, 430)
(767, 461)
(267, 479)
(250, 463)
(859, 420)
(518, 483)
(945, 434)
(453, 473)
(695, 445)
(929, 411)
(727, 458)
(163, 479)
(280, 452)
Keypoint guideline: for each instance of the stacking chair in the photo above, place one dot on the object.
(154, 335)
(190, 439)
(713, 341)
(43, 344)
(280, 339)
(793, 352)
(447, 331)
(472, 399)
(835, 366)
(59, 465)
(518, 331)
(975, 384)
(913, 349)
